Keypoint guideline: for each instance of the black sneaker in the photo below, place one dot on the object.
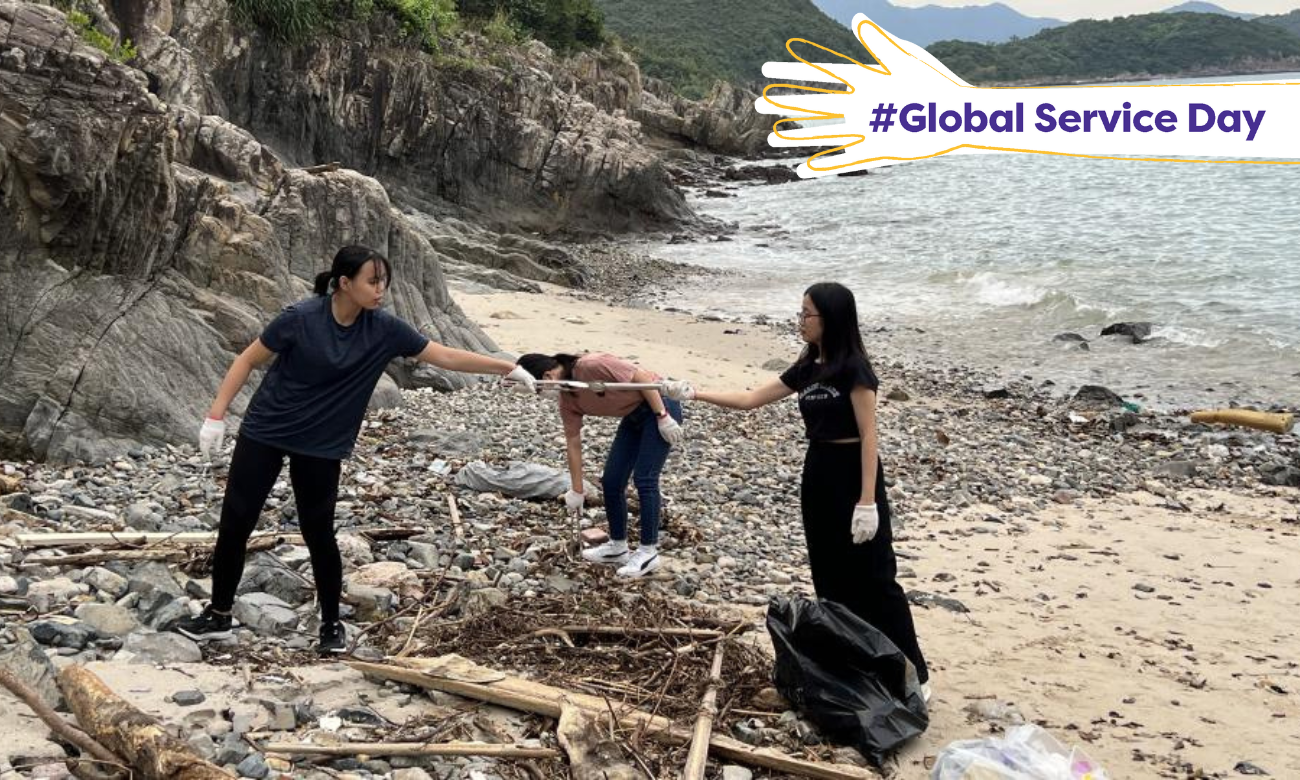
(208, 625)
(333, 639)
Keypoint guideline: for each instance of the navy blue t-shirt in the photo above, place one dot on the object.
(315, 394)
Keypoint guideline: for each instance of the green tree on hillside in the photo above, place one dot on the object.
(692, 44)
(1151, 43)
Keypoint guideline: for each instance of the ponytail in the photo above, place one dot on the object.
(348, 262)
(323, 280)
(538, 364)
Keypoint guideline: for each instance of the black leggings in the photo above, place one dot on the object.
(862, 577)
(254, 467)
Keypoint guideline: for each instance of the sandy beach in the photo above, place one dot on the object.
(718, 354)
(1158, 638)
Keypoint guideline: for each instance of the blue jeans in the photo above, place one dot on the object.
(638, 452)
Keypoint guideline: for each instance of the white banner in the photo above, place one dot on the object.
(910, 107)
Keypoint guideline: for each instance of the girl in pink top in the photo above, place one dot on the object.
(649, 428)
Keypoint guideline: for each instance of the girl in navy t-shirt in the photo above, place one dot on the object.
(329, 353)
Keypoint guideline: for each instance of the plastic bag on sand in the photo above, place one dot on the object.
(1024, 753)
(845, 676)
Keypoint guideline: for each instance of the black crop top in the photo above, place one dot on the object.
(825, 404)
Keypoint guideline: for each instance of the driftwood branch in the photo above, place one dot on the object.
(106, 539)
(525, 695)
(162, 552)
(135, 538)
(148, 748)
(329, 167)
(410, 749)
(57, 724)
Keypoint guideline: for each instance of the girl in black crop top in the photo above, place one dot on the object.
(846, 517)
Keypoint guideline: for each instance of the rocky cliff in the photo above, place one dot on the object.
(154, 216)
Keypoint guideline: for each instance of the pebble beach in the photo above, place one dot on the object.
(1123, 579)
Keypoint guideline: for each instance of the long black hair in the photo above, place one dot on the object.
(538, 364)
(348, 262)
(841, 345)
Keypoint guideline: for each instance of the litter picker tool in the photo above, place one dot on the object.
(601, 387)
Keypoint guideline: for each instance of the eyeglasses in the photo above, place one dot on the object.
(803, 315)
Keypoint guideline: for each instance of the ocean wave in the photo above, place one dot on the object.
(992, 290)
(1192, 337)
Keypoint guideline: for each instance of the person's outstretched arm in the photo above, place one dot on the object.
(746, 399)
(453, 359)
(254, 356)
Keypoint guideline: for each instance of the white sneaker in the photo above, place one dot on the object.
(925, 692)
(642, 562)
(611, 552)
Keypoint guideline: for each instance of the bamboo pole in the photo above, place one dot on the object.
(1249, 418)
(456, 526)
(693, 633)
(698, 757)
(410, 749)
(528, 696)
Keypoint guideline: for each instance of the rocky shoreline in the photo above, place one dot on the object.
(966, 461)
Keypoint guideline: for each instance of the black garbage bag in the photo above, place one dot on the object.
(845, 676)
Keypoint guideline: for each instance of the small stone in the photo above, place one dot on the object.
(483, 601)
(188, 698)
(1247, 768)
(105, 581)
(1185, 469)
(162, 648)
(107, 619)
(253, 766)
(233, 750)
(1065, 496)
(203, 745)
(62, 632)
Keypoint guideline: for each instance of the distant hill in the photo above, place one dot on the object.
(929, 23)
(1289, 22)
(690, 44)
(1197, 7)
(1148, 44)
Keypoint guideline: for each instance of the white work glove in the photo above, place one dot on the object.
(522, 381)
(210, 436)
(670, 430)
(866, 521)
(573, 501)
(679, 390)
